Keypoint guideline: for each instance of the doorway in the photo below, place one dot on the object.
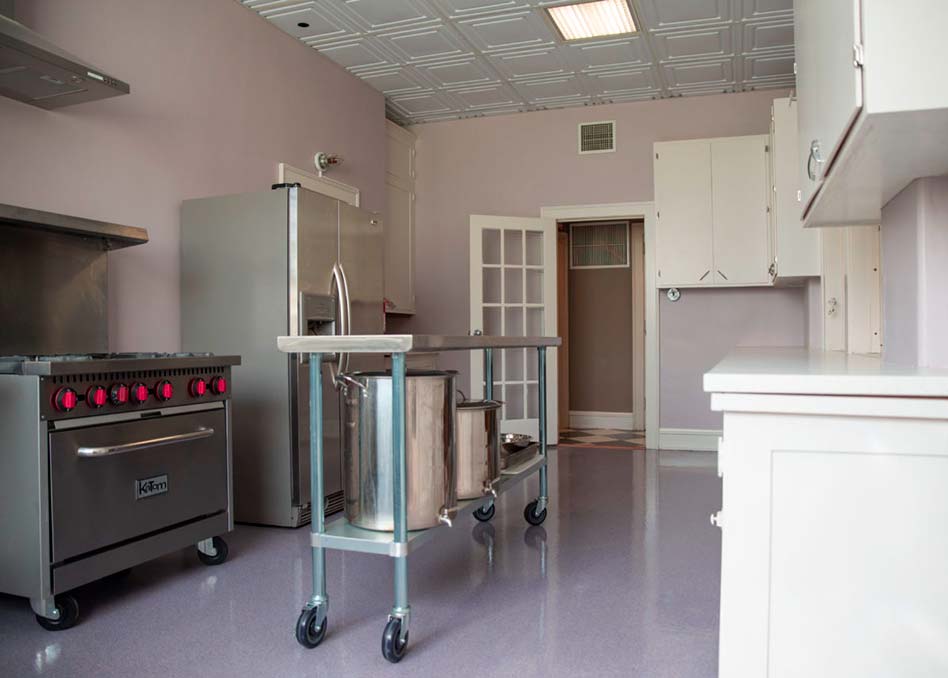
(601, 317)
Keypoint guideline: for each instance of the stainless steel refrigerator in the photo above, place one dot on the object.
(255, 266)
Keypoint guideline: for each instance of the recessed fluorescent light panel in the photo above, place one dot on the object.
(593, 19)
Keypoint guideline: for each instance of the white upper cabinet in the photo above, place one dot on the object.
(400, 221)
(828, 82)
(683, 202)
(711, 204)
(739, 210)
(796, 249)
(873, 103)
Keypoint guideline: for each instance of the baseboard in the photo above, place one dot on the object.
(697, 439)
(621, 421)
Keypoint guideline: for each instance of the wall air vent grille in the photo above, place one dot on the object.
(597, 137)
(599, 245)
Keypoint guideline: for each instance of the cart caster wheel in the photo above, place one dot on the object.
(221, 547)
(531, 516)
(485, 513)
(308, 634)
(68, 614)
(393, 645)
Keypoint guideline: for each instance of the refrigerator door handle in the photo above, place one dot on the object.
(342, 360)
(347, 327)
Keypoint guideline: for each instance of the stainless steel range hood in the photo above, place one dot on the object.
(35, 71)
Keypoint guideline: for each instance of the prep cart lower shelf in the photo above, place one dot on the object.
(312, 624)
(341, 535)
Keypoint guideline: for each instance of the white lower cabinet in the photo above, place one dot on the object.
(834, 550)
(711, 203)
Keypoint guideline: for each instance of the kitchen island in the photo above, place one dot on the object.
(835, 498)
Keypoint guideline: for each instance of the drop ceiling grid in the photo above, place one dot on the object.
(445, 59)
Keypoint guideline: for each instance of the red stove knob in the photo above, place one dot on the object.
(219, 385)
(197, 388)
(118, 394)
(164, 390)
(96, 397)
(65, 399)
(138, 393)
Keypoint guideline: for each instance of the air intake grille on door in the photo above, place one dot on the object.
(599, 245)
(597, 137)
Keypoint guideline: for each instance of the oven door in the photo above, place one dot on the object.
(116, 482)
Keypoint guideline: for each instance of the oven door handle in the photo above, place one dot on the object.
(109, 450)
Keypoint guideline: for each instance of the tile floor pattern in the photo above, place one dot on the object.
(603, 437)
(621, 580)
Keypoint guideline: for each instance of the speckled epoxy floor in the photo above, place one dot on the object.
(621, 580)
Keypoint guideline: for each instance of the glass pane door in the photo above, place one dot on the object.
(510, 297)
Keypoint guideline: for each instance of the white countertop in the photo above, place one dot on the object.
(799, 371)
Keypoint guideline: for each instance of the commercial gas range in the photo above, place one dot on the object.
(106, 459)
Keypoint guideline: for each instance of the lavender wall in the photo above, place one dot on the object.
(699, 329)
(914, 276)
(516, 164)
(219, 97)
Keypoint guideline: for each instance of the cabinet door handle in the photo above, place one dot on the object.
(815, 157)
(704, 276)
(721, 274)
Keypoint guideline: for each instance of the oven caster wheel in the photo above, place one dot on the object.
(220, 546)
(393, 645)
(68, 614)
(485, 513)
(308, 634)
(531, 516)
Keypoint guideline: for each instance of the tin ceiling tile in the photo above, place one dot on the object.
(495, 32)
(548, 61)
(356, 54)
(470, 71)
(310, 22)
(443, 59)
(699, 74)
(658, 14)
(456, 9)
(435, 42)
(768, 35)
(613, 83)
(608, 54)
(493, 96)
(382, 15)
(757, 9)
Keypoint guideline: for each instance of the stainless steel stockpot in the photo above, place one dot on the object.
(429, 449)
(478, 447)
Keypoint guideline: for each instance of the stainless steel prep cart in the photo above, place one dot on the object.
(312, 623)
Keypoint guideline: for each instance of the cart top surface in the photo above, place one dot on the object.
(407, 343)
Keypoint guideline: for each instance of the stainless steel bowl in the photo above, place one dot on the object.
(514, 442)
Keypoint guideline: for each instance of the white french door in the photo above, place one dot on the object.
(513, 293)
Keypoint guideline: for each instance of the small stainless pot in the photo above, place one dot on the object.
(478, 447)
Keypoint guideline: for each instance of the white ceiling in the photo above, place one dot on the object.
(444, 59)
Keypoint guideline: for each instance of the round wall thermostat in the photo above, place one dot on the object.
(673, 294)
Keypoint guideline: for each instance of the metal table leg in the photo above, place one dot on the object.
(395, 636)
(486, 512)
(312, 623)
(535, 512)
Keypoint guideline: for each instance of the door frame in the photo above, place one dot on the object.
(644, 211)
